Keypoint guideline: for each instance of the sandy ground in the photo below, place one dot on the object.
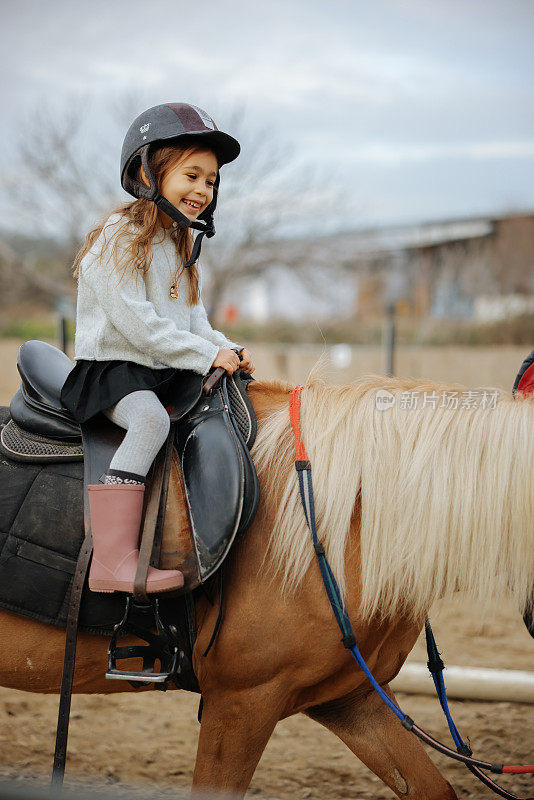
(150, 740)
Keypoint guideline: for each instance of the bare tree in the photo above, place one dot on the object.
(60, 184)
(68, 178)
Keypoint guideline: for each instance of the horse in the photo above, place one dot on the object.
(413, 501)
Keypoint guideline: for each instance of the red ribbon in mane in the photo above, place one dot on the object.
(294, 415)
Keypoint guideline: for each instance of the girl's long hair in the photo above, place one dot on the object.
(139, 224)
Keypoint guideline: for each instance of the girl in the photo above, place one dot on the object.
(140, 319)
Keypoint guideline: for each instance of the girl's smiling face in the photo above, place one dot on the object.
(189, 184)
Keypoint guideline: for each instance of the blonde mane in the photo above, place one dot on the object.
(446, 495)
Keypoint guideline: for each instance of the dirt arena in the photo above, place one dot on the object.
(149, 740)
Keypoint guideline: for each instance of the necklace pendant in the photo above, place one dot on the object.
(173, 293)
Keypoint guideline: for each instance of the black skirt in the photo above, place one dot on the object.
(92, 386)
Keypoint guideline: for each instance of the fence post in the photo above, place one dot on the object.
(389, 340)
(64, 307)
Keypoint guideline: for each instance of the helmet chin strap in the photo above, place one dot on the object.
(151, 193)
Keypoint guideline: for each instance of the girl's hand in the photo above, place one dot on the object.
(246, 364)
(228, 360)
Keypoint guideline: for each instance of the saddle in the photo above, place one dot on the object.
(209, 460)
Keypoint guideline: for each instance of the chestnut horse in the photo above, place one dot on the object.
(413, 502)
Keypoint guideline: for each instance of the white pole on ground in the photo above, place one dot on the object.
(469, 683)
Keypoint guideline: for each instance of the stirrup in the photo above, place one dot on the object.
(162, 644)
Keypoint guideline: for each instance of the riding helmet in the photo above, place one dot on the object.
(173, 123)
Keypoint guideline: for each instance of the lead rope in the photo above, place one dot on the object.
(435, 664)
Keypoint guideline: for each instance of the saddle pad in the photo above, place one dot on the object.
(21, 445)
(41, 532)
(241, 406)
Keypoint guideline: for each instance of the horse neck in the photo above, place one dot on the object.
(268, 397)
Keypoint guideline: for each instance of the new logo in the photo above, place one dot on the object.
(384, 400)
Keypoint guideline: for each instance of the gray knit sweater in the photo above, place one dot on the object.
(135, 319)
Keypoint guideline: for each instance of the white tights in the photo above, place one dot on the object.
(147, 426)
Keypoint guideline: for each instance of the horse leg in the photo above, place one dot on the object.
(235, 728)
(373, 733)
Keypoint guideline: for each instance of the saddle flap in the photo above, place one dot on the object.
(214, 487)
(219, 481)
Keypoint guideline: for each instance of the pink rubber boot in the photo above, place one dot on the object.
(116, 511)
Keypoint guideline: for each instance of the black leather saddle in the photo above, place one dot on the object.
(36, 406)
(213, 435)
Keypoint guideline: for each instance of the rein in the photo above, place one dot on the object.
(463, 752)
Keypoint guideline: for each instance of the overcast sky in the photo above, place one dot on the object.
(418, 109)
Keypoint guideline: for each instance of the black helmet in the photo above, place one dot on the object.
(174, 123)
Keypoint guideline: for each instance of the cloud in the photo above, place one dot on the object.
(398, 153)
(433, 85)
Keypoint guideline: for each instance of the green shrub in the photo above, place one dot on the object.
(34, 328)
(431, 332)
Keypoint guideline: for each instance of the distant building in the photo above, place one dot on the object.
(482, 268)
